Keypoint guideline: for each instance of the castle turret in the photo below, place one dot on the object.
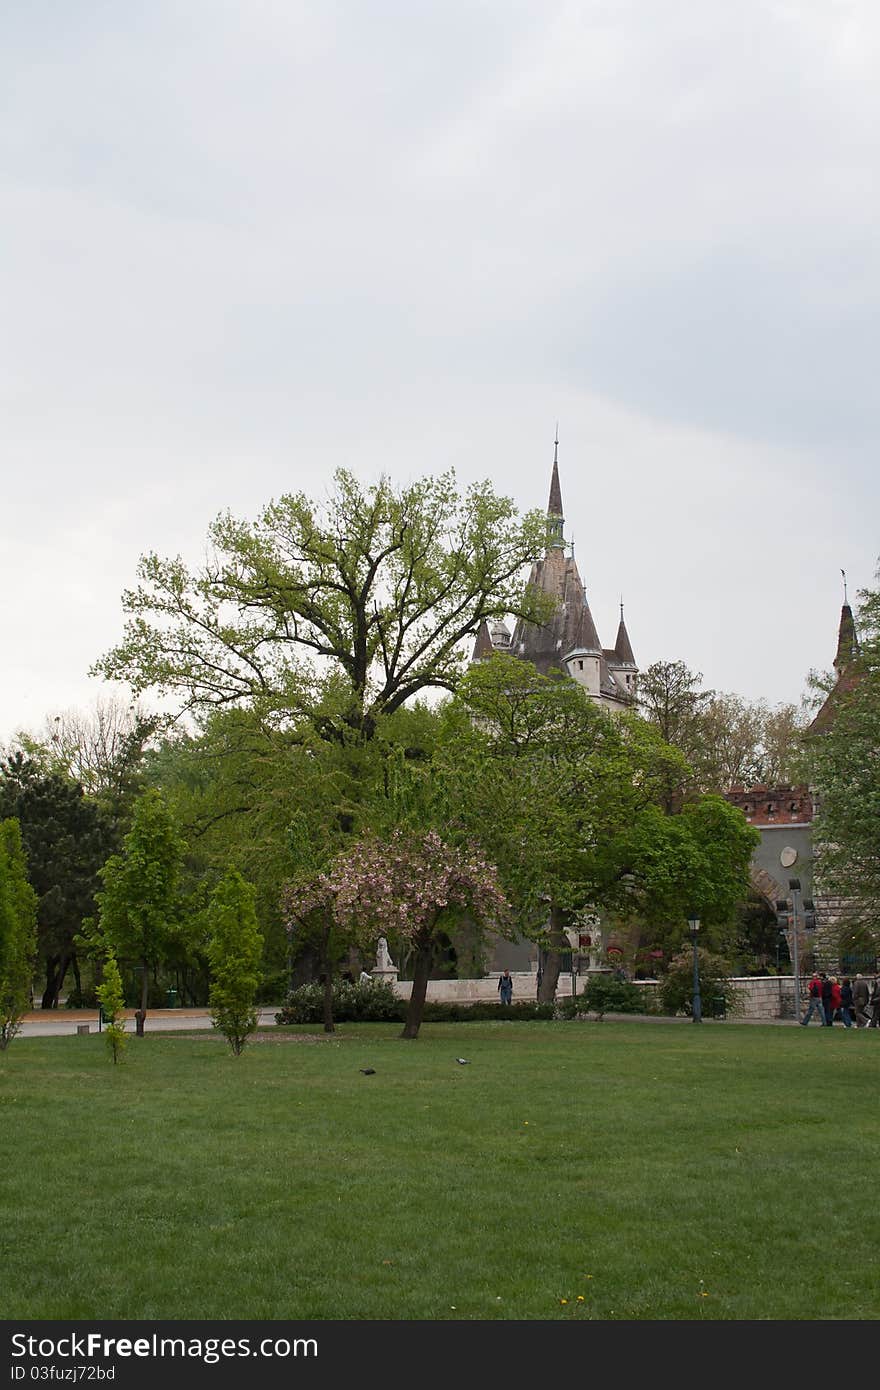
(846, 668)
(621, 662)
(568, 641)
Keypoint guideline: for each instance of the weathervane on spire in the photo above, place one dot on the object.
(845, 599)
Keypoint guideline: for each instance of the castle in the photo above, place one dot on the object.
(568, 642)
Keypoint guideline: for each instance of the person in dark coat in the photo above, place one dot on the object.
(846, 1001)
(826, 1000)
(835, 999)
(505, 988)
(861, 995)
(874, 1003)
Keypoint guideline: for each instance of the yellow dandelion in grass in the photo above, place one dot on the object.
(563, 1300)
(580, 1298)
(703, 1293)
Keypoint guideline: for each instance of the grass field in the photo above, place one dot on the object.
(635, 1170)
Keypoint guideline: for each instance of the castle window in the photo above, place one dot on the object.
(769, 808)
(580, 665)
(793, 807)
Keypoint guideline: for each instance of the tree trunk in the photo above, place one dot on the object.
(421, 971)
(141, 1013)
(553, 957)
(329, 1025)
(56, 969)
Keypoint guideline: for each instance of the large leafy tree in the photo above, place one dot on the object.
(279, 804)
(138, 907)
(844, 763)
(18, 940)
(570, 803)
(103, 750)
(727, 740)
(372, 594)
(66, 838)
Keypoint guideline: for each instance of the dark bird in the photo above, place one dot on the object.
(368, 1071)
(463, 1061)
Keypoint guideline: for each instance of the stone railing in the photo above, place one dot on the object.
(761, 996)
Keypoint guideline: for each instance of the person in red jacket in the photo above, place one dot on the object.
(835, 998)
(814, 990)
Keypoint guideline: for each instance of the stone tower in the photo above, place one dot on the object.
(569, 642)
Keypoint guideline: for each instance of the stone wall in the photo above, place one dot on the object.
(762, 996)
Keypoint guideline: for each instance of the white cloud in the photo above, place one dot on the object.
(401, 235)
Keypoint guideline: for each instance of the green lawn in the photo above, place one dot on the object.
(653, 1170)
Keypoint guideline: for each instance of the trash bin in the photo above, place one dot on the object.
(171, 999)
(719, 1007)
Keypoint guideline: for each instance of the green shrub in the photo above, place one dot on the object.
(677, 987)
(375, 1002)
(605, 995)
(484, 1010)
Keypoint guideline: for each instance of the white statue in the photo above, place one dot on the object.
(383, 959)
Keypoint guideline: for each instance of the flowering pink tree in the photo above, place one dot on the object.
(415, 885)
(309, 905)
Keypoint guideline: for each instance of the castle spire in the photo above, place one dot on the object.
(555, 515)
(847, 642)
(623, 647)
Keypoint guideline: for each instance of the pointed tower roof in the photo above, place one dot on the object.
(847, 642)
(622, 647)
(848, 673)
(483, 645)
(555, 515)
(554, 506)
(586, 638)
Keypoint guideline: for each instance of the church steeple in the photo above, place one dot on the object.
(623, 647)
(555, 516)
(847, 642)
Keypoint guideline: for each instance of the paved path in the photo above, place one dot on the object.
(53, 1023)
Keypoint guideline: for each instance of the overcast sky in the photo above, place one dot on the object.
(245, 244)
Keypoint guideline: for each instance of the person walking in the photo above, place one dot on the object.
(505, 988)
(814, 990)
(861, 994)
(826, 1000)
(846, 1002)
(875, 1003)
(834, 1003)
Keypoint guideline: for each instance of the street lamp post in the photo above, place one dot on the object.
(694, 928)
(794, 885)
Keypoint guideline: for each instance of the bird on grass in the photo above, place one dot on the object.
(463, 1061)
(368, 1071)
